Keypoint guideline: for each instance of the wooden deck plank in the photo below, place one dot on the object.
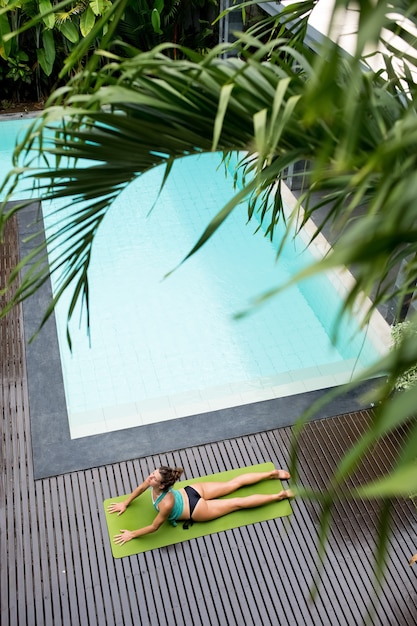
(363, 518)
(120, 577)
(62, 550)
(9, 551)
(111, 603)
(345, 531)
(77, 583)
(305, 544)
(383, 459)
(355, 528)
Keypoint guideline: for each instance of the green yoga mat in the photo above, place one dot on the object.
(141, 513)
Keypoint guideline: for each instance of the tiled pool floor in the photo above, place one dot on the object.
(163, 408)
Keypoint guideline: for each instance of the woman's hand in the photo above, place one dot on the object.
(117, 507)
(124, 537)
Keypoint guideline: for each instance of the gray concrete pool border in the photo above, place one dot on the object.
(54, 452)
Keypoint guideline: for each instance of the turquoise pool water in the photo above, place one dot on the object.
(167, 348)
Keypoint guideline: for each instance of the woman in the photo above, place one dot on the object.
(196, 503)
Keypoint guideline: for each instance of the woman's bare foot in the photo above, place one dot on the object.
(285, 493)
(281, 474)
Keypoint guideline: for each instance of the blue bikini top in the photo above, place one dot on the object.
(178, 507)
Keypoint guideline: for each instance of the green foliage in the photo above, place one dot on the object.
(87, 21)
(48, 38)
(69, 30)
(46, 55)
(156, 21)
(46, 10)
(401, 334)
(146, 24)
(19, 69)
(5, 46)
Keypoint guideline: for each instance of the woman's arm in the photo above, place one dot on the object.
(120, 507)
(128, 535)
(165, 508)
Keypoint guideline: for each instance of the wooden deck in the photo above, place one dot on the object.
(56, 565)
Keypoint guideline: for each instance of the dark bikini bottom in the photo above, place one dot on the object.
(193, 498)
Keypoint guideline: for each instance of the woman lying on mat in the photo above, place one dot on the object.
(197, 503)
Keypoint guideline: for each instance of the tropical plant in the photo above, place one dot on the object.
(402, 332)
(280, 102)
(34, 49)
(146, 24)
(19, 69)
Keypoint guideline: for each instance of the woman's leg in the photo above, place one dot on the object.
(212, 509)
(210, 491)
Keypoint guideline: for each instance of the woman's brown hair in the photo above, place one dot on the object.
(169, 475)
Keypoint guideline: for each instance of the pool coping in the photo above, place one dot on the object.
(55, 453)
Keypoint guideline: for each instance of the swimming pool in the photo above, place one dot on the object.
(164, 349)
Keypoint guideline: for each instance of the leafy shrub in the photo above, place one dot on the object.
(401, 332)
